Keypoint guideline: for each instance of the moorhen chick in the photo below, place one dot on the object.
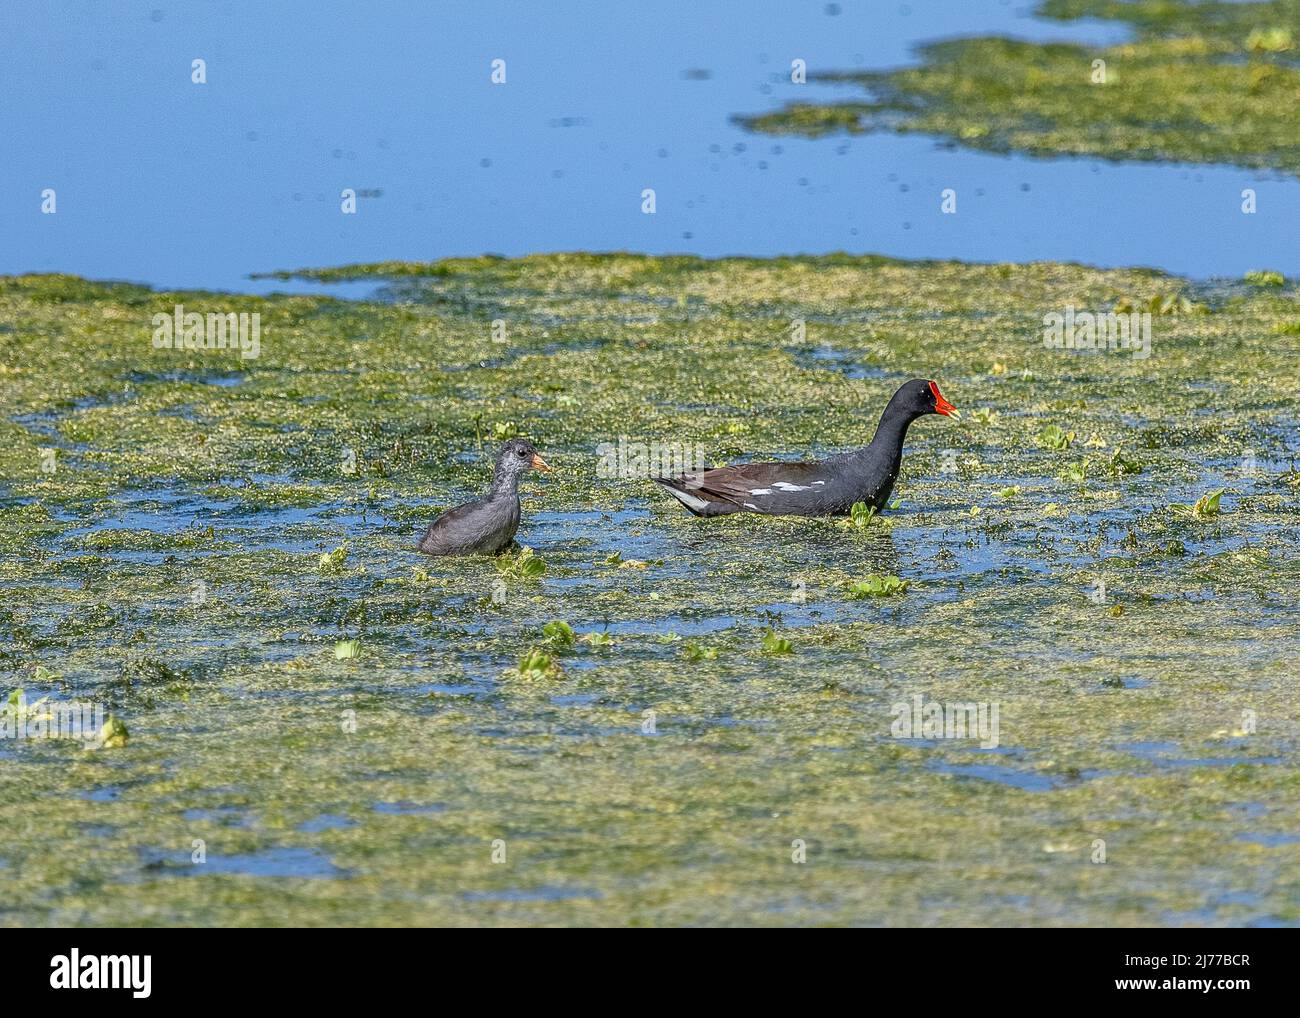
(488, 524)
(829, 487)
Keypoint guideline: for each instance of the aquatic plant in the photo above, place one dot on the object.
(861, 515)
(524, 565)
(1203, 508)
(17, 711)
(775, 644)
(874, 585)
(1075, 473)
(1054, 437)
(1158, 304)
(694, 652)
(1119, 465)
(1276, 39)
(113, 734)
(332, 561)
(559, 635)
(146, 670)
(538, 663)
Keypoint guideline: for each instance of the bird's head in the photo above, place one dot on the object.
(518, 456)
(919, 397)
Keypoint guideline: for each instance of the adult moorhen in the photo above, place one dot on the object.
(826, 488)
(487, 525)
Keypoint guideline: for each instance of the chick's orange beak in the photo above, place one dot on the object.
(539, 463)
(941, 405)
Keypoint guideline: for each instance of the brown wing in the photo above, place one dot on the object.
(765, 486)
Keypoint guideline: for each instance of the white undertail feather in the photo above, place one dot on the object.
(688, 500)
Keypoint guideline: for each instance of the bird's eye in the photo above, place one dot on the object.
(522, 452)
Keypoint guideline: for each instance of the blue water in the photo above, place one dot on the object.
(271, 862)
(176, 184)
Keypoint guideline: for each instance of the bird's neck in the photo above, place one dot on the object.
(890, 434)
(504, 483)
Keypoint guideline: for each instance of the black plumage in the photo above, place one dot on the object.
(828, 487)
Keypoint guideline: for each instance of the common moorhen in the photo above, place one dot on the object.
(488, 524)
(829, 487)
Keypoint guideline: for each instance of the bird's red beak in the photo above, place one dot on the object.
(941, 405)
(539, 463)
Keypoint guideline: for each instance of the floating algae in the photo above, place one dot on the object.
(738, 699)
(1200, 82)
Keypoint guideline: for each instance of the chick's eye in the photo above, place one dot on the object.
(522, 452)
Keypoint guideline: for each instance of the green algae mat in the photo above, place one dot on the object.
(1202, 82)
(647, 718)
